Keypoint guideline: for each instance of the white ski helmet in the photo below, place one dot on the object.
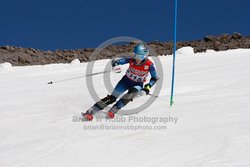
(141, 52)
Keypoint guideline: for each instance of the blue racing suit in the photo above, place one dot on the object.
(126, 83)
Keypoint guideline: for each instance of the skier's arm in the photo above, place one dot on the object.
(153, 79)
(153, 74)
(120, 61)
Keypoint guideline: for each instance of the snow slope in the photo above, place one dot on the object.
(212, 111)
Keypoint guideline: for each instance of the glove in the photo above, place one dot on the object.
(114, 63)
(115, 66)
(147, 88)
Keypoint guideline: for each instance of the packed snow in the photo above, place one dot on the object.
(208, 124)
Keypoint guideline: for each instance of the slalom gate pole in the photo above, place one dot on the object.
(174, 53)
(88, 75)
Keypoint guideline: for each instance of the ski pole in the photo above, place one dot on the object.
(153, 95)
(88, 75)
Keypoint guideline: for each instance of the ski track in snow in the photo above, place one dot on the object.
(212, 104)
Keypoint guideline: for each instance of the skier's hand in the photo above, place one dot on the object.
(147, 88)
(115, 66)
(114, 63)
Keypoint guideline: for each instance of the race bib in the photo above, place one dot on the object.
(136, 77)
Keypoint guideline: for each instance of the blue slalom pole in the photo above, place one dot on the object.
(174, 51)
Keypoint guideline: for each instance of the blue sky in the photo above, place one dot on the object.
(72, 24)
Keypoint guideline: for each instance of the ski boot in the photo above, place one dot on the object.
(100, 105)
(111, 113)
(88, 115)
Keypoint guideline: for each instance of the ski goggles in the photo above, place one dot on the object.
(140, 57)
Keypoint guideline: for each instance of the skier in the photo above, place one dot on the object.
(136, 75)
